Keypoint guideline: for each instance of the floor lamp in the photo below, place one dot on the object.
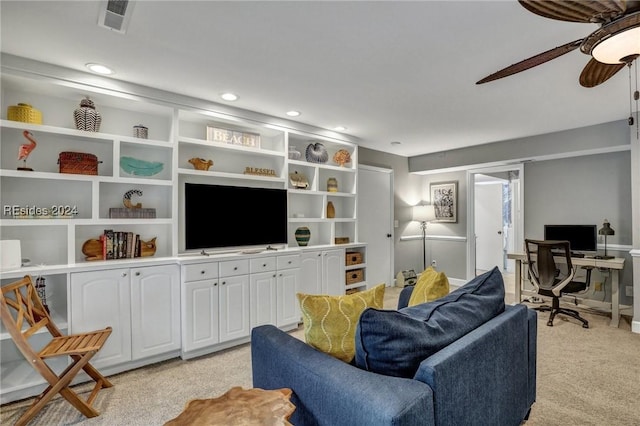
(424, 214)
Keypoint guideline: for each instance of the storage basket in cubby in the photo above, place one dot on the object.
(353, 258)
(354, 276)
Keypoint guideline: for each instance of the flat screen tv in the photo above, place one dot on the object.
(580, 237)
(217, 216)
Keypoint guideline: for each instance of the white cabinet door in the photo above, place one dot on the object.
(100, 299)
(155, 310)
(200, 314)
(234, 307)
(333, 271)
(263, 299)
(288, 311)
(310, 273)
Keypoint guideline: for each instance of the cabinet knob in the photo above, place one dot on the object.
(274, 275)
(215, 284)
(137, 274)
(264, 265)
(289, 262)
(124, 274)
(202, 272)
(235, 268)
(224, 282)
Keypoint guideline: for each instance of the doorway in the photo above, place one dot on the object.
(375, 222)
(496, 218)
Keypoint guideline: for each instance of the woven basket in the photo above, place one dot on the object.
(78, 163)
(353, 258)
(25, 113)
(354, 276)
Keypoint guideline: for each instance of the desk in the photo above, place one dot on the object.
(614, 265)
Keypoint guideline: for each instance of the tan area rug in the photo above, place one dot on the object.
(585, 377)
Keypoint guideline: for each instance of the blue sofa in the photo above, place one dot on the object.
(485, 377)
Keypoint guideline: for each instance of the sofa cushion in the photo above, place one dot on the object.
(330, 321)
(395, 342)
(431, 285)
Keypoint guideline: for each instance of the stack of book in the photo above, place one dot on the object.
(120, 245)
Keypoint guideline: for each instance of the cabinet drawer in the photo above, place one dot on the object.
(234, 267)
(200, 271)
(263, 264)
(288, 262)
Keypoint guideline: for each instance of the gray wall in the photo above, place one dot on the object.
(583, 190)
(576, 189)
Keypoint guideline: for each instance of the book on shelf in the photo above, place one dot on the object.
(120, 245)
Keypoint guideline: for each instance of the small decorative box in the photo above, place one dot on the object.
(140, 131)
(78, 163)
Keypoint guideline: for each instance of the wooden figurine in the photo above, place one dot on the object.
(200, 163)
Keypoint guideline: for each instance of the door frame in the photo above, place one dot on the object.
(471, 200)
(392, 241)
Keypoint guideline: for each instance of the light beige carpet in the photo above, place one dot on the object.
(585, 377)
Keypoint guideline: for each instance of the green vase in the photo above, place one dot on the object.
(303, 234)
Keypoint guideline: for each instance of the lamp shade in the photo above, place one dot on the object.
(606, 229)
(424, 213)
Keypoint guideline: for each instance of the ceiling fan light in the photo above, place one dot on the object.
(613, 49)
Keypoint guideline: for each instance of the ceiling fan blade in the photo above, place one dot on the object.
(533, 61)
(576, 11)
(595, 73)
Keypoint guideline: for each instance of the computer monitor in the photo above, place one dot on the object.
(581, 237)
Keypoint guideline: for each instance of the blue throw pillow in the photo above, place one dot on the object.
(394, 343)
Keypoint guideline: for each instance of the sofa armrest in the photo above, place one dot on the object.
(327, 391)
(485, 375)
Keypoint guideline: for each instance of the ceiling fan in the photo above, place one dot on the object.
(612, 46)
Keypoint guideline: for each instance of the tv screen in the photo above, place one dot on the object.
(580, 237)
(218, 216)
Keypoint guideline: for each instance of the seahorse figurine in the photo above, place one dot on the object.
(126, 200)
(26, 149)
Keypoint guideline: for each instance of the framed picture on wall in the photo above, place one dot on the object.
(444, 197)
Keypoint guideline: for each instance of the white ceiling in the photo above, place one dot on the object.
(387, 70)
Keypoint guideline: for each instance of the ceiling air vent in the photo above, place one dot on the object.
(115, 15)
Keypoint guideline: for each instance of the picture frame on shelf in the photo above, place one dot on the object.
(444, 197)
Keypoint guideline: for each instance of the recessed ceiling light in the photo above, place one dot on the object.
(396, 143)
(293, 113)
(340, 128)
(100, 69)
(229, 97)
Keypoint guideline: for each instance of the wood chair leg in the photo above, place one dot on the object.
(60, 384)
(94, 374)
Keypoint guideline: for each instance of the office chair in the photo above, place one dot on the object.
(553, 279)
(24, 315)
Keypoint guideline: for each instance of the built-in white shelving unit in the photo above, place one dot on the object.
(177, 132)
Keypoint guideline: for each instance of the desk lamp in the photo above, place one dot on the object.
(424, 214)
(606, 230)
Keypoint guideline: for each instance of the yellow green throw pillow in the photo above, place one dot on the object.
(431, 285)
(330, 321)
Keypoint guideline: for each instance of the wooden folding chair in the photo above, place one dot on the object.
(23, 314)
